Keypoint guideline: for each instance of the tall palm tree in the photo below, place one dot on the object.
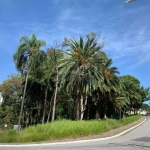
(132, 92)
(109, 85)
(24, 59)
(78, 70)
(121, 101)
(132, 89)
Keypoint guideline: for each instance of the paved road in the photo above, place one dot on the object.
(137, 139)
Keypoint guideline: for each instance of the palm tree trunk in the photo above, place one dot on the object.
(73, 110)
(45, 101)
(55, 95)
(81, 114)
(23, 99)
(105, 116)
(39, 112)
(83, 107)
(97, 114)
(78, 107)
(50, 108)
(119, 114)
(88, 112)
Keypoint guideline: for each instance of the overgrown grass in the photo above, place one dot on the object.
(63, 129)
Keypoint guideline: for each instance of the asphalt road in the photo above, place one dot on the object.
(136, 139)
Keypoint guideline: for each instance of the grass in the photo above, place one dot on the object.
(63, 129)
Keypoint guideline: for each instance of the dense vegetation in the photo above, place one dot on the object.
(78, 83)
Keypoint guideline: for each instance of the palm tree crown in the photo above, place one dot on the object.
(26, 49)
(79, 70)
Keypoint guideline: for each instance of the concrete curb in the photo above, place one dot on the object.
(78, 141)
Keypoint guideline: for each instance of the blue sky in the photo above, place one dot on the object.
(125, 27)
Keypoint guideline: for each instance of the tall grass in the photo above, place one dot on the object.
(63, 129)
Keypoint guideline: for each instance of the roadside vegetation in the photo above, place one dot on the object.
(74, 80)
(63, 129)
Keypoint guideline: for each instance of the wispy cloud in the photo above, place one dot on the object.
(65, 14)
(129, 43)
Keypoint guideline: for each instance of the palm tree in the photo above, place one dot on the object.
(39, 77)
(121, 101)
(78, 70)
(131, 87)
(109, 85)
(111, 81)
(24, 59)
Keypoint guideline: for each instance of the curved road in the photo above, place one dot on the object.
(137, 139)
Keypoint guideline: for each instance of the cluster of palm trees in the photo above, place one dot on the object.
(82, 72)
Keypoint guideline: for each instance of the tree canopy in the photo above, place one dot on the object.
(77, 83)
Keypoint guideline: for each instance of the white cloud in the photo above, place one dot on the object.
(131, 42)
